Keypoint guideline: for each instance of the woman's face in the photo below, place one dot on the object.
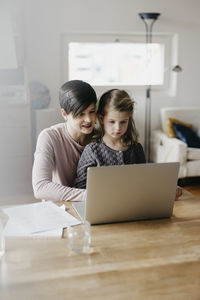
(83, 123)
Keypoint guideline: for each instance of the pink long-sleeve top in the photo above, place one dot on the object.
(55, 163)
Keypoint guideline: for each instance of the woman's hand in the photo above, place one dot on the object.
(179, 192)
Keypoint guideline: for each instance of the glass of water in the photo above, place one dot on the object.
(79, 237)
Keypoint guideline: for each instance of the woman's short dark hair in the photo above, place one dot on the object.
(75, 96)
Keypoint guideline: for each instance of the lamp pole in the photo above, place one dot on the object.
(148, 19)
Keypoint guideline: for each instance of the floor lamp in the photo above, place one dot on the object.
(148, 19)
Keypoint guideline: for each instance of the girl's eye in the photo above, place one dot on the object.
(124, 122)
(92, 111)
(112, 122)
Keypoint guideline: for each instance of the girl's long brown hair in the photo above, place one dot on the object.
(119, 100)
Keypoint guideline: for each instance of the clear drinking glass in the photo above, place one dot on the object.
(2, 240)
(79, 237)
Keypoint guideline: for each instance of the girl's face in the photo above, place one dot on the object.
(115, 123)
(83, 123)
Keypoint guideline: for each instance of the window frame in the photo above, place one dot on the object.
(170, 41)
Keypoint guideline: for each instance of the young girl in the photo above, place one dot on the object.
(118, 142)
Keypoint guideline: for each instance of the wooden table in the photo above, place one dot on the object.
(157, 259)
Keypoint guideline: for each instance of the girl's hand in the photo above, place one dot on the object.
(179, 192)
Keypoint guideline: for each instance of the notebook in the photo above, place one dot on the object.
(129, 192)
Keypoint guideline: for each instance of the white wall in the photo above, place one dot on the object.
(47, 19)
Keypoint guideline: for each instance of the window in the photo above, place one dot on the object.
(120, 60)
(117, 63)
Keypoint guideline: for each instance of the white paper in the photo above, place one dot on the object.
(15, 230)
(37, 217)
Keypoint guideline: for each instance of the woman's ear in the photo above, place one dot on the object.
(100, 117)
(64, 114)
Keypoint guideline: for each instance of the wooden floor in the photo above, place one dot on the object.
(191, 184)
(195, 190)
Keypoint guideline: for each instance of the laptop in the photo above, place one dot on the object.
(129, 193)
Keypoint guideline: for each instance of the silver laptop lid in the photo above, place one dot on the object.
(130, 192)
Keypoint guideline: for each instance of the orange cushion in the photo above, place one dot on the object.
(169, 128)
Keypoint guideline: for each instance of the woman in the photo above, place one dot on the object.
(59, 147)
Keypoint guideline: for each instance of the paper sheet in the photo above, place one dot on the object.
(13, 229)
(37, 218)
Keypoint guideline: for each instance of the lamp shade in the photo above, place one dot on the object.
(146, 16)
(177, 68)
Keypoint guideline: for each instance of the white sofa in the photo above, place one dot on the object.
(165, 149)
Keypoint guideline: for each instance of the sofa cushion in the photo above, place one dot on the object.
(193, 153)
(169, 128)
(186, 114)
(187, 135)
